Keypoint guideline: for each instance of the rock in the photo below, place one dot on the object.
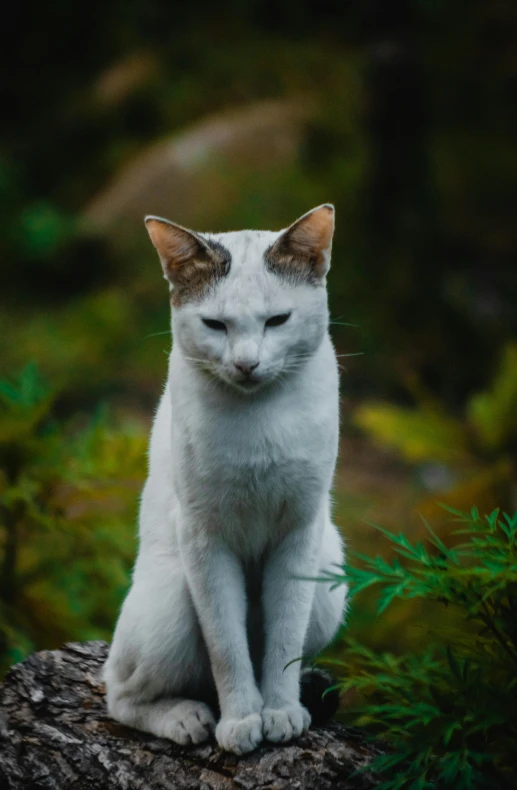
(55, 734)
(185, 177)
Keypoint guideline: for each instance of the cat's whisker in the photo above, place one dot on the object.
(157, 334)
(342, 323)
(296, 363)
(290, 368)
(196, 359)
(213, 380)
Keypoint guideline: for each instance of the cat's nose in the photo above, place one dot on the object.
(246, 367)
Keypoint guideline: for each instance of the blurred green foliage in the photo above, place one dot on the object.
(67, 510)
(449, 713)
(480, 446)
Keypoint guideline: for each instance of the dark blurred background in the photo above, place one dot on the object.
(402, 113)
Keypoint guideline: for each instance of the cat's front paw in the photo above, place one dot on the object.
(284, 724)
(239, 735)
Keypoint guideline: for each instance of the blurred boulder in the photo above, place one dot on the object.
(191, 177)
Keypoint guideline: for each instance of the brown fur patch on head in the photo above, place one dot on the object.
(302, 252)
(190, 263)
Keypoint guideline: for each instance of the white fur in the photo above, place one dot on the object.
(235, 517)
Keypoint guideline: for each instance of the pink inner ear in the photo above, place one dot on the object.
(174, 245)
(313, 233)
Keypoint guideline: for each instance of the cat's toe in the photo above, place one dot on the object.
(284, 724)
(239, 735)
(191, 723)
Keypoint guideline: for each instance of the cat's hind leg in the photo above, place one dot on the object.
(183, 721)
(158, 660)
(328, 607)
(327, 614)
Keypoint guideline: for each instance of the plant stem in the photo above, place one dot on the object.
(488, 620)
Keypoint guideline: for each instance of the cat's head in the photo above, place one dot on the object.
(250, 307)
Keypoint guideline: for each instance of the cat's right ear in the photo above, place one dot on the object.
(177, 247)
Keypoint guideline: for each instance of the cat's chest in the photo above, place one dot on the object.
(255, 447)
(255, 476)
(253, 505)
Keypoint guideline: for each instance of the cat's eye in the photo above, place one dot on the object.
(277, 320)
(211, 323)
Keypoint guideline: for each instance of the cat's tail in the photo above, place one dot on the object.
(314, 683)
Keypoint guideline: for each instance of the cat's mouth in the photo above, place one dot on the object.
(248, 383)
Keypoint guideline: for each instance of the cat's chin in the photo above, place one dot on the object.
(247, 386)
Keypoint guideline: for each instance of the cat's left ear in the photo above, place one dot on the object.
(306, 245)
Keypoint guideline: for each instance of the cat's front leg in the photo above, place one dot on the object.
(217, 586)
(287, 602)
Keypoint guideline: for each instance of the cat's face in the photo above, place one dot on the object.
(250, 307)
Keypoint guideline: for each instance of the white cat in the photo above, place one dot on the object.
(235, 515)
